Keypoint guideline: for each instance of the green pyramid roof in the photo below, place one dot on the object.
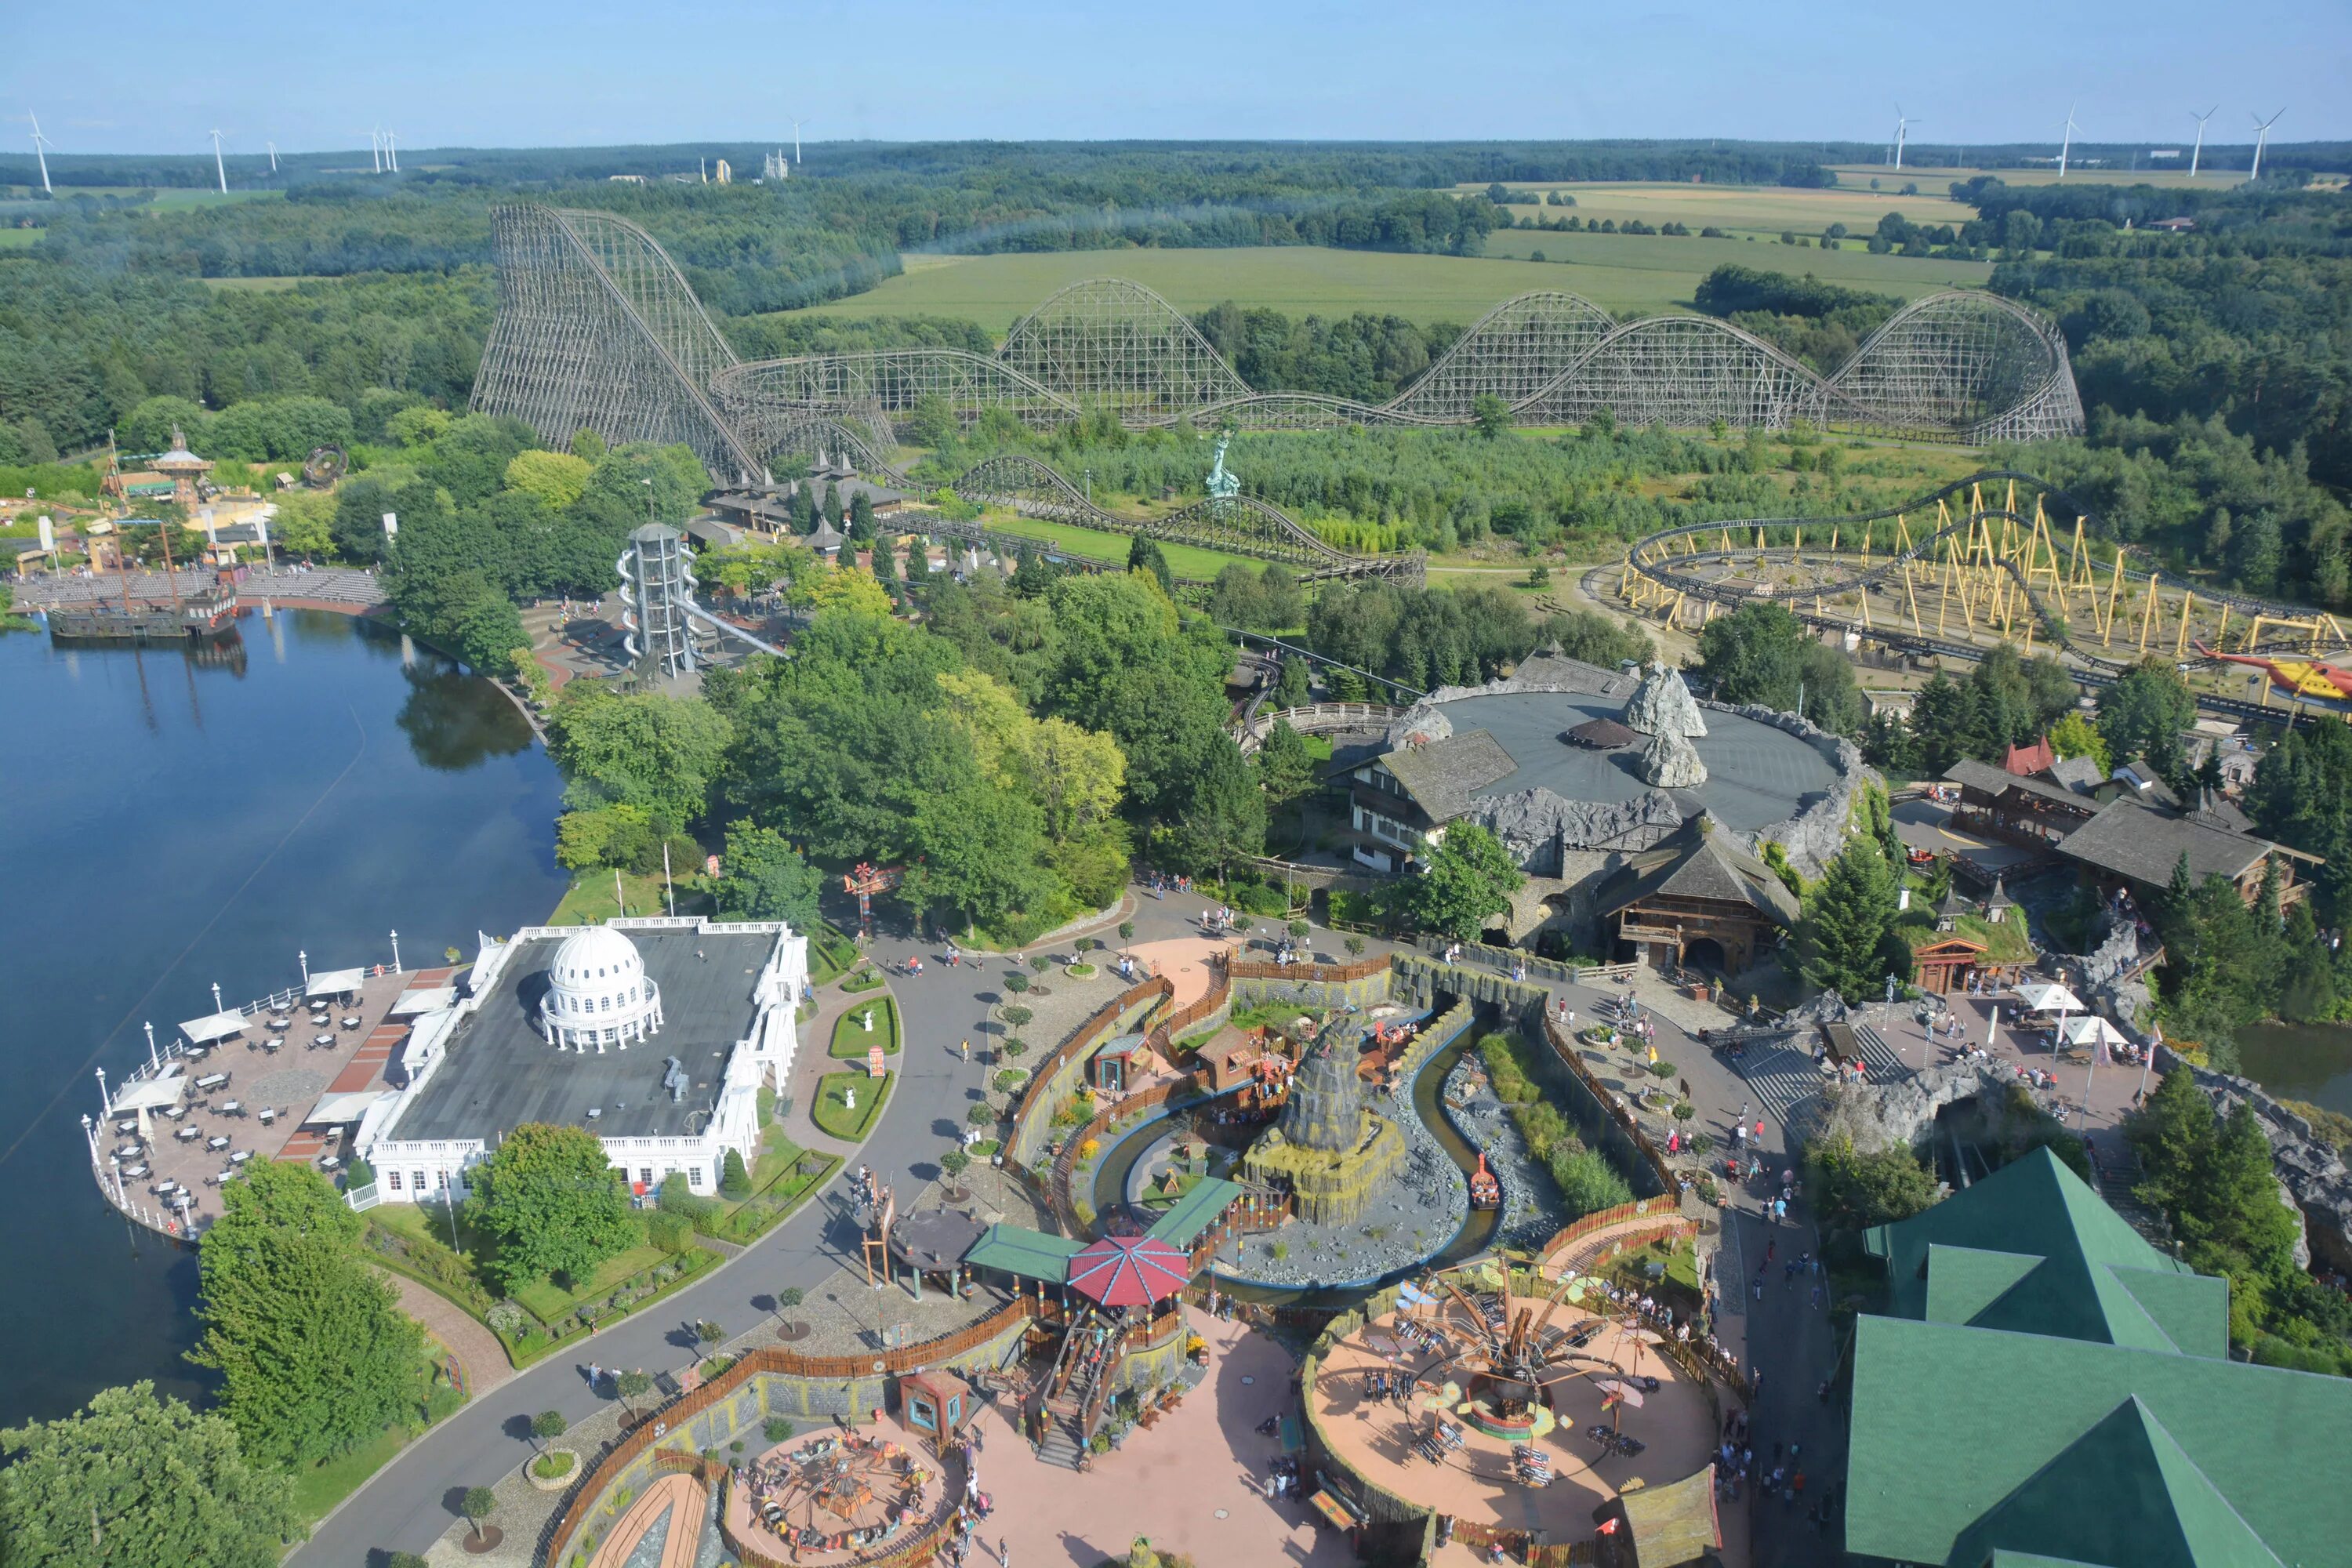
(2032, 1247)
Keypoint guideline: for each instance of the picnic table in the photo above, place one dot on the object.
(216, 1142)
(213, 1080)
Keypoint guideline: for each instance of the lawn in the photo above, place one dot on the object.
(1659, 273)
(317, 1491)
(258, 285)
(590, 900)
(20, 239)
(835, 1117)
(1185, 561)
(851, 1041)
(830, 954)
(547, 1301)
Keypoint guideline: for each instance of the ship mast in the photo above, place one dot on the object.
(122, 569)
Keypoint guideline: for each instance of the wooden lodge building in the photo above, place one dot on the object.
(1698, 898)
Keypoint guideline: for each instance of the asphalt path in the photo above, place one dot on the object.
(411, 1503)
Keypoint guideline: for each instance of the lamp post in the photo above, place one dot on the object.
(396, 953)
(216, 1000)
(105, 1102)
(304, 960)
(153, 1064)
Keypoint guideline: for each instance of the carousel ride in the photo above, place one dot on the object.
(1499, 1359)
(834, 1498)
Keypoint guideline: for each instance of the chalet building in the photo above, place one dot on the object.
(2128, 845)
(1969, 945)
(2034, 812)
(1698, 898)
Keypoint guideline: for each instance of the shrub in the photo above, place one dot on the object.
(955, 1161)
(1126, 931)
(1013, 1047)
(981, 1116)
(507, 1318)
(1010, 1079)
(670, 1231)
(1355, 945)
(777, 1430)
(1588, 1183)
(1015, 1015)
(734, 1181)
(675, 1196)
(1089, 1149)
(1016, 983)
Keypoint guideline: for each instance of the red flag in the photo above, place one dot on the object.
(1607, 1527)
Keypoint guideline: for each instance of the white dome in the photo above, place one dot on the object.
(597, 993)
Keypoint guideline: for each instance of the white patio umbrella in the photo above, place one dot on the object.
(2042, 997)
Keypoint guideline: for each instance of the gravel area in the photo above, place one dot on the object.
(1532, 1212)
(1416, 1214)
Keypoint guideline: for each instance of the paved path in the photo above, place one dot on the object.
(476, 1349)
(405, 1507)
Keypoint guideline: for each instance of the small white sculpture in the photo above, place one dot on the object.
(848, 1097)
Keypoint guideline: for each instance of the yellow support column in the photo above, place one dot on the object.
(1913, 599)
(2147, 612)
(2181, 645)
(2220, 637)
(2115, 588)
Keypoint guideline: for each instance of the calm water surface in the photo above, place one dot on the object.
(168, 822)
(2301, 1061)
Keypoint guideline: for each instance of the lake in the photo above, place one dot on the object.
(2301, 1061)
(170, 821)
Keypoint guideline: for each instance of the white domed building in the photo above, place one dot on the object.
(709, 1005)
(598, 993)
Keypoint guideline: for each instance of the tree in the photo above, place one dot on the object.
(955, 1161)
(2075, 736)
(476, 1506)
(1294, 690)
(1588, 1183)
(2236, 1207)
(2171, 1133)
(547, 1427)
(1855, 1191)
(1225, 818)
(2144, 714)
(1354, 944)
(1470, 876)
(764, 877)
(1844, 940)
(559, 478)
(632, 1386)
(1285, 768)
(1144, 555)
(552, 1203)
(646, 749)
(1490, 415)
(154, 1481)
(734, 1181)
(314, 1356)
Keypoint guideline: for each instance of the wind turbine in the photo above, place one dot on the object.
(391, 150)
(40, 151)
(2261, 136)
(797, 141)
(273, 156)
(1902, 133)
(219, 168)
(375, 149)
(2199, 151)
(2068, 145)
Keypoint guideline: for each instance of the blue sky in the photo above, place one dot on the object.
(153, 77)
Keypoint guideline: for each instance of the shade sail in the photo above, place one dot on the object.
(2042, 998)
(433, 999)
(150, 1093)
(217, 1026)
(334, 981)
(334, 1110)
(2090, 1031)
(1130, 1272)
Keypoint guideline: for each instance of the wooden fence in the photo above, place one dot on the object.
(1305, 974)
(1600, 1220)
(669, 1423)
(1564, 1046)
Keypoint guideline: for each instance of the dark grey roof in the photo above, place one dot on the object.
(2139, 843)
(1701, 859)
(2140, 778)
(2217, 810)
(2081, 774)
(1605, 733)
(1757, 774)
(499, 1073)
(1552, 668)
(1969, 774)
(1442, 775)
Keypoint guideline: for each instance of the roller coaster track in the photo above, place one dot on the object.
(1654, 558)
(1236, 525)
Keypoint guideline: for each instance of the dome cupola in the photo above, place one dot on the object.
(598, 992)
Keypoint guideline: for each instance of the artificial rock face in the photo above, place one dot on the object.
(1328, 1150)
(1664, 706)
(1671, 761)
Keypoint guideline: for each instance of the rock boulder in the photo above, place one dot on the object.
(1664, 706)
(1671, 761)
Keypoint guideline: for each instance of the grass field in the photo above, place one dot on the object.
(1753, 209)
(1658, 273)
(19, 238)
(838, 1121)
(258, 285)
(1098, 544)
(1621, 273)
(851, 1041)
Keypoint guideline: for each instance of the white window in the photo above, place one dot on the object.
(694, 1175)
(645, 1174)
(396, 1181)
(420, 1180)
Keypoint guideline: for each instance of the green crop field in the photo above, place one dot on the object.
(1654, 273)
(1936, 178)
(258, 285)
(1628, 273)
(1752, 209)
(19, 238)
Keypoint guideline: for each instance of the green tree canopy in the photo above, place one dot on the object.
(764, 877)
(1470, 876)
(662, 754)
(1846, 940)
(155, 1481)
(315, 1356)
(2144, 713)
(552, 1203)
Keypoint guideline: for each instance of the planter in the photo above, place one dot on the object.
(559, 1483)
(486, 1539)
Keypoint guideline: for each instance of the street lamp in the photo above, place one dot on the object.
(396, 953)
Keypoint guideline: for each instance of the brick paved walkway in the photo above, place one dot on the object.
(476, 1349)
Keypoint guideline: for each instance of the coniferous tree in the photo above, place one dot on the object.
(1845, 940)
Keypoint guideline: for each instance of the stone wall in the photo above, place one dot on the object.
(1256, 991)
(1816, 834)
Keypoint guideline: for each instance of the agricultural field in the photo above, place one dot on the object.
(1751, 209)
(1628, 274)
(2217, 171)
(19, 238)
(261, 285)
(1657, 273)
